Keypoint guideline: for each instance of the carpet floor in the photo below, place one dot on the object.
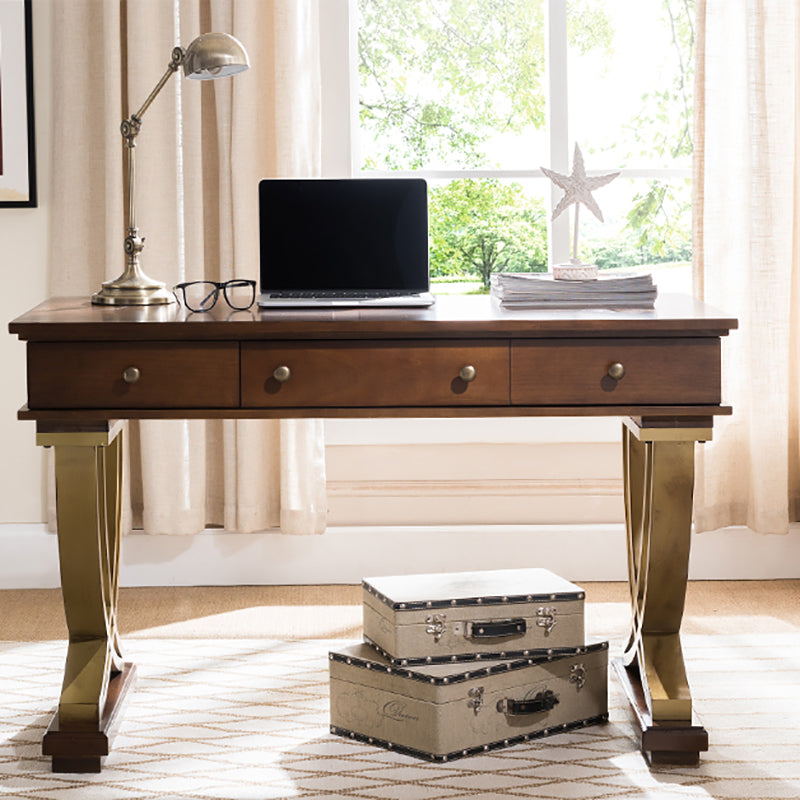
(248, 718)
(231, 701)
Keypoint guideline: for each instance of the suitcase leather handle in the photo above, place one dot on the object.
(496, 629)
(543, 701)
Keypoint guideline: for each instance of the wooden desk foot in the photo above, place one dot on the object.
(83, 750)
(662, 742)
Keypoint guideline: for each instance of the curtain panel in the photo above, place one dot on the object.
(747, 256)
(202, 149)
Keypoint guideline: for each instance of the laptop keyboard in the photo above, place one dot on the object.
(324, 295)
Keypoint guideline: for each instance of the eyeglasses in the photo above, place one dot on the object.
(239, 294)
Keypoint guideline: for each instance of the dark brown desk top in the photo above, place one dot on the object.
(453, 316)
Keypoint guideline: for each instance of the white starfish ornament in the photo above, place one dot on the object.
(578, 189)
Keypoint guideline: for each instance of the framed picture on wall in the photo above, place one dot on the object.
(17, 145)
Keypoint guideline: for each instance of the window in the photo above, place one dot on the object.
(476, 96)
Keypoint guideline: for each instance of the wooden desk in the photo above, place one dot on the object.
(89, 367)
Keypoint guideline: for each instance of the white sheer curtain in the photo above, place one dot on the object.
(201, 152)
(747, 255)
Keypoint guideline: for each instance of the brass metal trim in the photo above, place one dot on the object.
(688, 434)
(659, 477)
(100, 438)
(88, 489)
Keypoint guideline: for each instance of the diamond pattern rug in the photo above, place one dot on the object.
(243, 718)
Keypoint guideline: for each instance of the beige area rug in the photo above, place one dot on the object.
(245, 718)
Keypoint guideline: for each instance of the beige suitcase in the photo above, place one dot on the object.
(461, 616)
(444, 711)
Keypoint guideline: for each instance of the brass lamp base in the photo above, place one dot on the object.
(139, 292)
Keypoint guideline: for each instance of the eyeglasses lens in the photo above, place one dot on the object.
(240, 294)
(200, 295)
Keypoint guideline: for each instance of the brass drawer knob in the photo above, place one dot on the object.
(282, 373)
(616, 371)
(131, 375)
(468, 373)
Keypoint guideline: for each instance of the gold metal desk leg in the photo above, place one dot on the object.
(88, 486)
(659, 479)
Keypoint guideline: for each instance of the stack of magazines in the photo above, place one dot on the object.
(541, 290)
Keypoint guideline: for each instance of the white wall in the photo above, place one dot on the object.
(24, 236)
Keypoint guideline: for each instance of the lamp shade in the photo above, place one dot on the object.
(214, 55)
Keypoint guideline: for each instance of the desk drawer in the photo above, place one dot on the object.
(359, 374)
(576, 372)
(170, 375)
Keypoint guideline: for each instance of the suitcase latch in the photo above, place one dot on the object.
(577, 675)
(436, 625)
(546, 618)
(476, 698)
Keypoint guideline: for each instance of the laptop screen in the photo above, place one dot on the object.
(326, 234)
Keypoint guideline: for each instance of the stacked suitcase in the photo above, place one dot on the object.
(455, 664)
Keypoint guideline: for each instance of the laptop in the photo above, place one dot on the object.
(327, 242)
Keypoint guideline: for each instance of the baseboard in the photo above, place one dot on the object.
(469, 483)
(478, 501)
(29, 556)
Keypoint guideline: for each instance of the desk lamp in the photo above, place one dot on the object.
(212, 55)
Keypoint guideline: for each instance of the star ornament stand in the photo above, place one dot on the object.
(578, 189)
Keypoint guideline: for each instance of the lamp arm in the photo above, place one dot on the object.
(174, 65)
(130, 130)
